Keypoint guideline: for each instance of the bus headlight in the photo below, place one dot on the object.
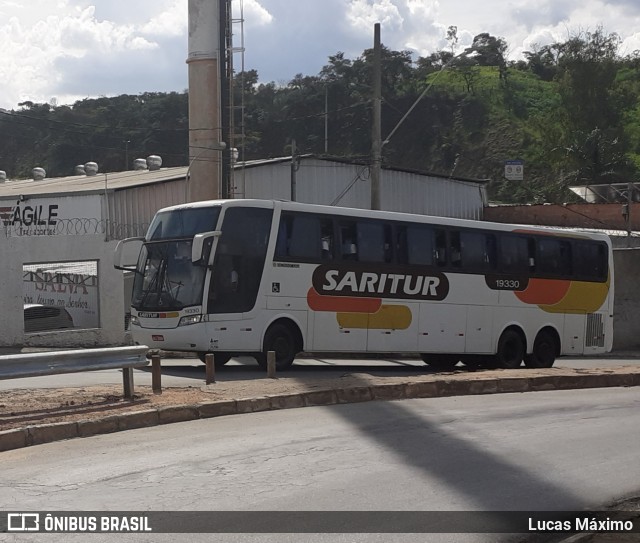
(135, 321)
(190, 319)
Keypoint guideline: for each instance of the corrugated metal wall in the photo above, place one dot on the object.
(138, 205)
(319, 182)
(348, 185)
(427, 195)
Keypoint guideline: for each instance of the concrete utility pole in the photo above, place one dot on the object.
(204, 60)
(326, 119)
(376, 138)
(294, 169)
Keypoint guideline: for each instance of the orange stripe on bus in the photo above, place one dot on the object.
(544, 291)
(347, 304)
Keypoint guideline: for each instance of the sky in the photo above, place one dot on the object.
(60, 51)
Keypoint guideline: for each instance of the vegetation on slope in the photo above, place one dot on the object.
(569, 110)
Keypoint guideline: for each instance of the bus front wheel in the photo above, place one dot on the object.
(544, 351)
(510, 350)
(280, 339)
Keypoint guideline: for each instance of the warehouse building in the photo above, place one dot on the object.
(58, 235)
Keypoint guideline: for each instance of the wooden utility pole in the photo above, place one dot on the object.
(376, 138)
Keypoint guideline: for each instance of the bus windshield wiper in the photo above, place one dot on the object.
(152, 284)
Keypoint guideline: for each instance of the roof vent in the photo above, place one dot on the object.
(3, 176)
(154, 162)
(91, 168)
(140, 164)
(79, 169)
(38, 174)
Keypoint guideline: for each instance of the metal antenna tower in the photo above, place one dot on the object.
(236, 111)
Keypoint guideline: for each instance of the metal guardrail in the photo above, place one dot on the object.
(16, 366)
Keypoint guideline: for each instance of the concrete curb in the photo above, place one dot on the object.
(447, 385)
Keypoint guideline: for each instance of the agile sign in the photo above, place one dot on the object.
(43, 215)
(30, 219)
(39, 215)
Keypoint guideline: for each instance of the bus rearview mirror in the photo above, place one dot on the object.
(126, 254)
(199, 244)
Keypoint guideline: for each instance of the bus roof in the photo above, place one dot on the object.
(391, 215)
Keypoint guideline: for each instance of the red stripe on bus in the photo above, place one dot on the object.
(344, 304)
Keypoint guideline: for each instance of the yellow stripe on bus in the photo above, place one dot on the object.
(581, 297)
(388, 317)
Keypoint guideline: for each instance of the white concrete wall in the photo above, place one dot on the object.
(16, 251)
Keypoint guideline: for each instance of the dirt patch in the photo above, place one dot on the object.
(26, 407)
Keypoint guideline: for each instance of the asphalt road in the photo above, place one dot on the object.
(530, 451)
(184, 372)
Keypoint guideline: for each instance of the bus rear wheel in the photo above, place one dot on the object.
(219, 359)
(510, 350)
(440, 362)
(280, 339)
(544, 351)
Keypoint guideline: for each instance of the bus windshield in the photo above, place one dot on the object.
(167, 279)
(183, 223)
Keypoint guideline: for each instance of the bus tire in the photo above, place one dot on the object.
(440, 362)
(544, 352)
(281, 339)
(219, 359)
(511, 350)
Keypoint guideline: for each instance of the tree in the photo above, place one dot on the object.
(596, 159)
(587, 68)
(487, 50)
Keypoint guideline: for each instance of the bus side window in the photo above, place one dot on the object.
(401, 249)
(513, 254)
(327, 239)
(440, 252)
(478, 251)
(531, 248)
(455, 249)
(282, 242)
(349, 239)
(373, 242)
(305, 240)
(590, 260)
(554, 257)
(420, 248)
(300, 237)
(491, 254)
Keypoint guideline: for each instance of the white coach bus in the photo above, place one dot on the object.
(234, 277)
